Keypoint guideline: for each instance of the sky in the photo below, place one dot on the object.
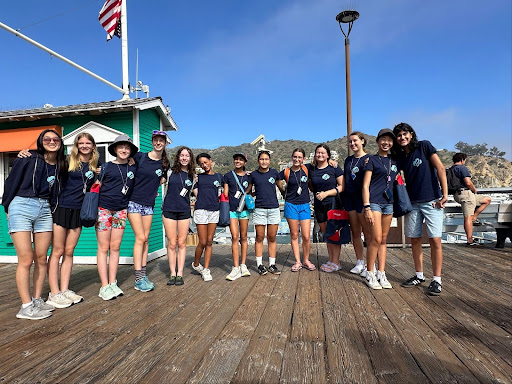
(232, 70)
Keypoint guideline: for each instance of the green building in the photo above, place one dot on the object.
(104, 121)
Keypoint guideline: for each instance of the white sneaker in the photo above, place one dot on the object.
(244, 271)
(358, 268)
(371, 280)
(199, 268)
(206, 274)
(72, 296)
(59, 300)
(235, 274)
(383, 280)
(363, 272)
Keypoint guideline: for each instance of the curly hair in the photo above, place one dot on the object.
(176, 167)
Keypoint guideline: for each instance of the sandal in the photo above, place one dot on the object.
(331, 267)
(296, 267)
(309, 265)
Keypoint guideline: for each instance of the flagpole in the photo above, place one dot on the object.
(124, 50)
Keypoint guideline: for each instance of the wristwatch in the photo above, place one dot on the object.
(366, 206)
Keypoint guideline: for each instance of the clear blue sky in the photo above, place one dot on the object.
(231, 70)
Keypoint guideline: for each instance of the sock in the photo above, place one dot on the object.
(143, 270)
(138, 276)
(26, 305)
(272, 260)
(378, 274)
(259, 260)
(419, 275)
(438, 279)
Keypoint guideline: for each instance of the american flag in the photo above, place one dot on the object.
(110, 18)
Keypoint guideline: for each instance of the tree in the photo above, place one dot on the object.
(495, 152)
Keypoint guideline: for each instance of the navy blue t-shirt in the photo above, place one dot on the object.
(72, 194)
(147, 180)
(461, 172)
(384, 171)
(265, 185)
(116, 175)
(323, 180)
(208, 191)
(173, 201)
(420, 175)
(296, 179)
(353, 170)
(233, 187)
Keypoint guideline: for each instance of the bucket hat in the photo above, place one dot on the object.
(123, 139)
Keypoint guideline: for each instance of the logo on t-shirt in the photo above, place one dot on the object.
(394, 168)
(50, 180)
(158, 172)
(89, 174)
(130, 175)
(326, 176)
(355, 169)
(188, 183)
(216, 183)
(417, 162)
(271, 180)
(245, 184)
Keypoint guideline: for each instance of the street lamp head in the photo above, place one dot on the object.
(348, 16)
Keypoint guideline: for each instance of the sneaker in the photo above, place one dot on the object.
(198, 269)
(149, 282)
(357, 269)
(371, 280)
(262, 270)
(412, 282)
(172, 280)
(244, 271)
(383, 280)
(274, 270)
(179, 280)
(117, 291)
(106, 293)
(33, 313)
(142, 285)
(59, 300)
(363, 272)
(235, 274)
(42, 306)
(207, 276)
(477, 223)
(72, 296)
(434, 289)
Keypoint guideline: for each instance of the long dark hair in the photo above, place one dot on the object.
(62, 164)
(327, 149)
(165, 162)
(176, 167)
(398, 150)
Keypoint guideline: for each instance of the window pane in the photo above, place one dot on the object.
(101, 150)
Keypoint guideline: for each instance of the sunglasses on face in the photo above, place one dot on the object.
(50, 139)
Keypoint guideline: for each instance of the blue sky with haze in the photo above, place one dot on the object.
(231, 70)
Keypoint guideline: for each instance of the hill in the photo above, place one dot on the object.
(486, 171)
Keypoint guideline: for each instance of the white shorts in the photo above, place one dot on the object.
(264, 216)
(202, 216)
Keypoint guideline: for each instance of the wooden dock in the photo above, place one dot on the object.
(305, 327)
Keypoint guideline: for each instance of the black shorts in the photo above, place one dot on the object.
(68, 218)
(322, 209)
(176, 215)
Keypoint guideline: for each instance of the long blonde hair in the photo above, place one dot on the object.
(74, 158)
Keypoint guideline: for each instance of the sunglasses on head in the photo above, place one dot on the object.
(47, 139)
(159, 133)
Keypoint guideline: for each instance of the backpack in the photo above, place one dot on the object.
(287, 172)
(454, 184)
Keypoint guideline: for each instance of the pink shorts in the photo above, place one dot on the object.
(108, 219)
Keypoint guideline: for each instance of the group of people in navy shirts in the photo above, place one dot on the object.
(45, 190)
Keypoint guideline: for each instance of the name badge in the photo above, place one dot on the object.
(238, 194)
(184, 192)
(299, 190)
(125, 189)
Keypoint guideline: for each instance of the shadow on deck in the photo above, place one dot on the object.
(303, 327)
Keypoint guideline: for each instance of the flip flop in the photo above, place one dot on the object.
(309, 265)
(296, 267)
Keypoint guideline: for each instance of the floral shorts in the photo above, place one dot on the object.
(108, 219)
(144, 210)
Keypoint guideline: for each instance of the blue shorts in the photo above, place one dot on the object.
(30, 214)
(144, 210)
(244, 215)
(297, 211)
(385, 209)
(433, 219)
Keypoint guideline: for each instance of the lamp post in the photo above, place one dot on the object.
(347, 17)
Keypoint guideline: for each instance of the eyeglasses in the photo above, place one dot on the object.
(47, 139)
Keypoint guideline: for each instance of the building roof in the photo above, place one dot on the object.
(48, 112)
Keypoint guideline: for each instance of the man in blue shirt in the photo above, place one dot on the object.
(467, 197)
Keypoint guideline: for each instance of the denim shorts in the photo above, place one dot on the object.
(144, 210)
(433, 217)
(297, 211)
(108, 219)
(385, 209)
(30, 214)
(244, 215)
(266, 216)
(203, 216)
